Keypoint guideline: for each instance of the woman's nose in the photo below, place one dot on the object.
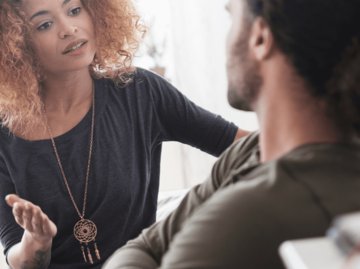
(67, 29)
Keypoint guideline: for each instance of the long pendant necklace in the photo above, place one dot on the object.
(85, 230)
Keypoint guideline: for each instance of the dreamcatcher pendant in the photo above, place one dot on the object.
(85, 231)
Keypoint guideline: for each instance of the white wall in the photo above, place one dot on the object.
(3, 264)
(195, 33)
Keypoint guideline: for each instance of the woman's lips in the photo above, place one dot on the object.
(77, 50)
(72, 45)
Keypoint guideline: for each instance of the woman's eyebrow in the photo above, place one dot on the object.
(65, 2)
(39, 13)
(46, 11)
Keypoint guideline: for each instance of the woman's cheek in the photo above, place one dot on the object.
(47, 56)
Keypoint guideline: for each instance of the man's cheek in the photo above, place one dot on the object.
(232, 37)
(229, 42)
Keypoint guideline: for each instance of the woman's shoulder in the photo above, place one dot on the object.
(146, 80)
(5, 146)
(140, 81)
(138, 75)
(144, 74)
(6, 137)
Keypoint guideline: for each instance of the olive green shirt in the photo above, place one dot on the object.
(239, 216)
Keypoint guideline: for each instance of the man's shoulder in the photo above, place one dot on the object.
(244, 145)
(257, 210)
(241, 156)
(270, 192)
(260, 212)
(250, 219)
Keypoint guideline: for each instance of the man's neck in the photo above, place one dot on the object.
(290, 118)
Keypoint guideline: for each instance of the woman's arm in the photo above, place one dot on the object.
(34, 250)
(240, 134)
(175, 118)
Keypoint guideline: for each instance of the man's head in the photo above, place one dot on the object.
(318, 39)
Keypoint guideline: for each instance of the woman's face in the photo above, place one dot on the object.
(63, 33)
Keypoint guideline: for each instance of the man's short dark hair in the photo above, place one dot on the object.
(321, 40)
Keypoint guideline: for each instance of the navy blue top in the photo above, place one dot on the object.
(130, 125)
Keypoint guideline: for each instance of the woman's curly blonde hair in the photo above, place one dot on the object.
(117, 31)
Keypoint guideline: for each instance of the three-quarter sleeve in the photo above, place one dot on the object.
(10, 232)
(176, 118)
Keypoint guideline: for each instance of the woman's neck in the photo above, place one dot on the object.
(67, 98)
(63, 93)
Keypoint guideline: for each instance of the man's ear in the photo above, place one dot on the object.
(261, 41)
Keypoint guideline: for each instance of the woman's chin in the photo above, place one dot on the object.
(73, 66)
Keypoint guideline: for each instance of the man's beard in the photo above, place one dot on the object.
(243, 76)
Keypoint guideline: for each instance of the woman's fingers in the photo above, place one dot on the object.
(37, 220)
(18, 209)
(30, 217)
(11, 199)
(49, 227)
(18, 214)
(27, 216)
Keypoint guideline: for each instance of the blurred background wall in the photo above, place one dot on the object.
(187, 38)
(3, 264)
(190, 39)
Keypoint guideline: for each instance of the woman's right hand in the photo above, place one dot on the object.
(30, 217)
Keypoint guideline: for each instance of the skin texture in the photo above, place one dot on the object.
(288, 115)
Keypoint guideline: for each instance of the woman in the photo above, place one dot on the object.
(82, 131)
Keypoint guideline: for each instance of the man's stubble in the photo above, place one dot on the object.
(243, 74)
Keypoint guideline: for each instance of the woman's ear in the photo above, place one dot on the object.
(261, 41)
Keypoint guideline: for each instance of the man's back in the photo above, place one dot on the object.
(241, 215)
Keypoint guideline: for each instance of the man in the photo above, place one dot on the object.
(296, 63)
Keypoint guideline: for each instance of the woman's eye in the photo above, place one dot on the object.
(44, 26)
(75, 11)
